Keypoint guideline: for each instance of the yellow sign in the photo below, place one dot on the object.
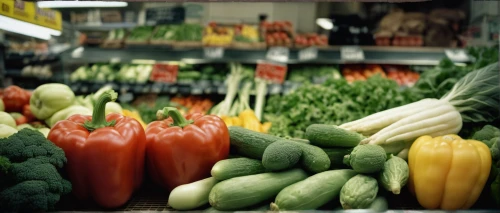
(29, 12)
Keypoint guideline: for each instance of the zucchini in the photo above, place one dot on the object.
(395, 174)
(313, 192)
(241, 192)
(281, 155)
(336, 156)
(324, 135)
(236, 167)
(192, 195)
(249, 143)
(313, 159)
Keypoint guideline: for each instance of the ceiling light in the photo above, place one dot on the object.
(325, 23)
(73, 4)
(25, 28)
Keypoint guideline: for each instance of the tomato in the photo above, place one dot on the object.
(14, 98)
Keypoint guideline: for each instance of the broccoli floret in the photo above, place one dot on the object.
(28, 143)
(495, 148)
(29, 178)
(486, 133)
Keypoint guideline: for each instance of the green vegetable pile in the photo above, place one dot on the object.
(29, 176)
(333, 102)
(308, 73)
(183, 32)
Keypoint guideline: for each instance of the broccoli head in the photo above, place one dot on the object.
(486, 133)
(28, 143)
(29, 175)
(495, 148)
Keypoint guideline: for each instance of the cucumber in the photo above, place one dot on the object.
(192, 195)
(336, 156)
(324, 135)
(281, 155)
(313, 192)
(313, 159)
(241, 192)
(236, 167)
(249, 143)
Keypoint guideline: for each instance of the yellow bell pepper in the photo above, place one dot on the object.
(227, 120)
(448, 172)
(134, 114)
(266, 126)
(236, 121)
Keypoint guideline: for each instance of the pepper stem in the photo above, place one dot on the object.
(174, 113)
(98, 115)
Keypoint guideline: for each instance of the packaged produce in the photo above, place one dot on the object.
(278, 33)
(107, 166)
(457, 170)
(198, 141)
(29, 167)
(47, 99)
(218, 35)
(14, 98)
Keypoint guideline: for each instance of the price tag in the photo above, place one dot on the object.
(309, 53)
(126, 97)
(271, 71)
(214, 52)
(173, 90)
(196, 91)
(457, 55)
(275, 89)
(279, 54)
(146, 89)
(352, 54)
(221, 90)
(156, 88)
(84, 89)
(164, 72)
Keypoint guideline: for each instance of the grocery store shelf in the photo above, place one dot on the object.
(331, 55)
(196, 88)
(103, 26)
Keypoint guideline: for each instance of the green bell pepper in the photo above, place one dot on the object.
(2, 106)
(6, 131)
(22, 126)
(113, 107)
(6, 119)
(47, 99)
(66, 113)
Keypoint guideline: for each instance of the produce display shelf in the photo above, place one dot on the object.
(195, 88)
(331, 55)
(103, 26)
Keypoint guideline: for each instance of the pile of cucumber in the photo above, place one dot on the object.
(284, 174)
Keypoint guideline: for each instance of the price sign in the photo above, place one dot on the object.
(214, 52)
(163, 72)
(309, 53)
(156, 88)
(272, 72)
(457, 55)
(352, 54)
(279, 54)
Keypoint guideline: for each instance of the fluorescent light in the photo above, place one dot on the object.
(324, 23)
(72, 4)
(25, 28)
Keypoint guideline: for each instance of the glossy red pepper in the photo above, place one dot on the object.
(105, 154)
(14, 98)
(182, 150)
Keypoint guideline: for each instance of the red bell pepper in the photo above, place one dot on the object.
(14, 98)
(105, 154)
(182, 150)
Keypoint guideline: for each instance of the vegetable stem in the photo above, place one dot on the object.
(176, 116)
(98, 115)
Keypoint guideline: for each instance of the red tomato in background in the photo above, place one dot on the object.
(14, 98)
